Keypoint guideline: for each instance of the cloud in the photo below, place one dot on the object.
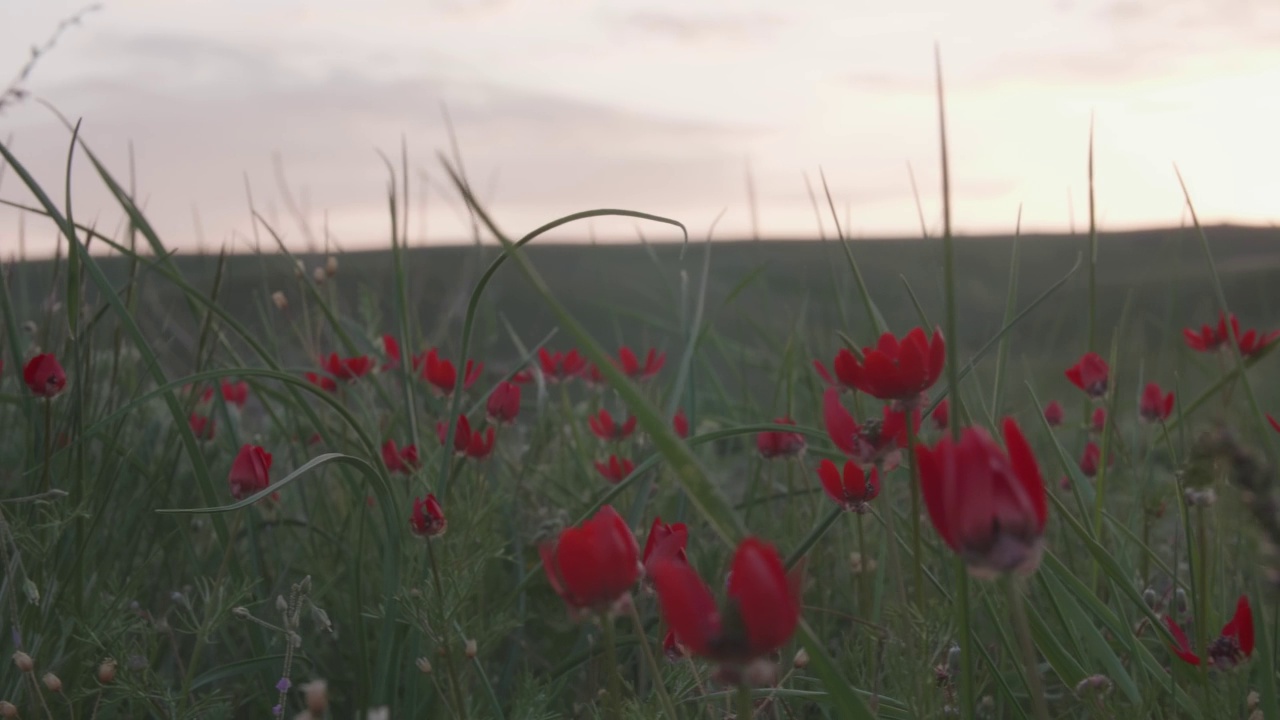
(696, 29)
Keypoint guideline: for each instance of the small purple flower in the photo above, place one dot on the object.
(277, 710)
(284, 685)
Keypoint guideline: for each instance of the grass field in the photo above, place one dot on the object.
(320, 584)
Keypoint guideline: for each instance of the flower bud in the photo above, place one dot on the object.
(241, 612)
(316, 696)
(471, 649)
(23, 662)
(319, 275)
(801, 660)
(1149, 597)
(51, 681)
(8, 709)
(281, 302)
(107, 671)
(300, 270)
(424, 665)
(282, 605)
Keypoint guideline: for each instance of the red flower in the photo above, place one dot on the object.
(250, 471)
(1098, 422)
(631, 367)
(941, 414)
(615, 469)
(557, 367)
(1090, 375)
(854, 489)
(592, 376)
(324, 382)
(390, 348)
(443, 375)
(680, 423)
(1089, 461)
(504, 403)
(777, 443)
(346, 368)
(761, 611)
(872, 443)
(898, 370)
(235, 393)
(44, 376)
(481, 444)
(1209, 339)
(593, 566)
(522, 377)
(603, 426)
(400, 459)
(844, 369)
(1231, 648)
(1275, 424)
(1156, 405)
(428, 518)
(202, 427)
(1053, 413)
(476, 445)
(987, 505)
(665, 542)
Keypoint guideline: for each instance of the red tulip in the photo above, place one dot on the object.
(631, 367)
(603, 426)
(1089, 461)
(874, 443)
(1156, 405)
(442, 375)
(898, 370)
(390, 348)
(595, 565)
(235, 393)
(202, 427)
(44, 376)
(680, 423)
(504, 403)
(1209, 338)
(615, 469)
(852, 490)
(324, 382)
(250, 471)
(777, 443)
(1053, 413)
(941, 414)
(987, 505)
(761, 611)
(1098, 422)
(558, 367)
(350, 368)
(1090, 374)
(428, 518)
(400, 459)
(1231, 648)
(665, 542)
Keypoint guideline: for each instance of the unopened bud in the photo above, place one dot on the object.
(23, 662)
(281, 302)
(29, 327)
(953, 659)
(241, 612)
(51, 681)
(321, 618)
(331, 266)
(1149, 597)
(1253, 700)
(8, 709)
(801, 660)
(424, 665)
(31, 591)
(316, 696)
(281, 604)
(1098, 684)
(471, 649)
(107, 671)
(319, 275)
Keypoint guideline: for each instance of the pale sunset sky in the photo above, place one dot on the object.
(653, 105)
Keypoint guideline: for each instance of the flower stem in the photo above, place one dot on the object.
(966, 640)
(611, 667)
(812, 538)
(1029, 665)
(459, 700)
(665, 699)
(745, 707)
(916, 551)
(48, 443)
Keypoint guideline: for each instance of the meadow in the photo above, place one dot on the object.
(511, 481)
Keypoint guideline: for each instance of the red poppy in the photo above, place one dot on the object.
(778, 443)
(504, 403)
(844, 368)
(202, 427)
(1209, 339)
(680, 423)
(558, 367)
(665, 542)
(235, 393)
(761, 611)
(603, 426)
(1053, 413)
(615, 469)
(898, 370)
(428, 518)
(476, 445)
(481, 444)
(852, 490)
(324, 382)
(1098, 421)
(592, 376)
(443, 375)
(593, 566)
(346, 368)
(631, 367)
(390, 348)
(1231, 648)
(1090, 374)
(1090, 459)
(1155, 405)
(941, 414)
(400, 459)
(250, 471)
(988, 505)
(44, 376)
(522, 377)
(873, 443)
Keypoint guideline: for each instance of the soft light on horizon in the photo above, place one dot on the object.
(651, 105)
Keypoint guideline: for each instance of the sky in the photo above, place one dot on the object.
(678, 108)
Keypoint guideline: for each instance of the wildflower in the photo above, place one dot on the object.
(1209, 339)
(603, 426)
(665, 542)
(778, 443)
(522, 377)
(941, 414)
(481, 444)
(852, 490)
(52, 682)
(250, 471)
(443, 375)
(324, 382)
(898, 370)
(631, 367)
(280, 301)
(558, 367)
(202, 427)
(235, 393)
(615, 469)
(351, 368)
(44, 376)
(504, 403)
(428, 518)
(843, 370)
(873, 443)
(1156, 405)
(1231, 648)
(1098, 421)
(761, 611)
(593, 566)
(1090, 375)
(390, 348)
(680, 423)
(987, 504)
(400, 459)
(592, 376)
(1053, 413)
(1089, 461)
(475, 444)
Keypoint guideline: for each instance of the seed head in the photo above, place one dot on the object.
(51, 681)
(424, 665)
(801, 660)
(281, 302)
(23, 662)
(331, 266)
(471, 649)
(8, 709)
(319, 276)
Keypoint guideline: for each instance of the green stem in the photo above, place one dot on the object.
(663, 697)
(614, 700)
(966, 639)
(916, 550)
(814, 535)
(450, 666)
(1029, 664)
(745, 707)
(48, 443)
